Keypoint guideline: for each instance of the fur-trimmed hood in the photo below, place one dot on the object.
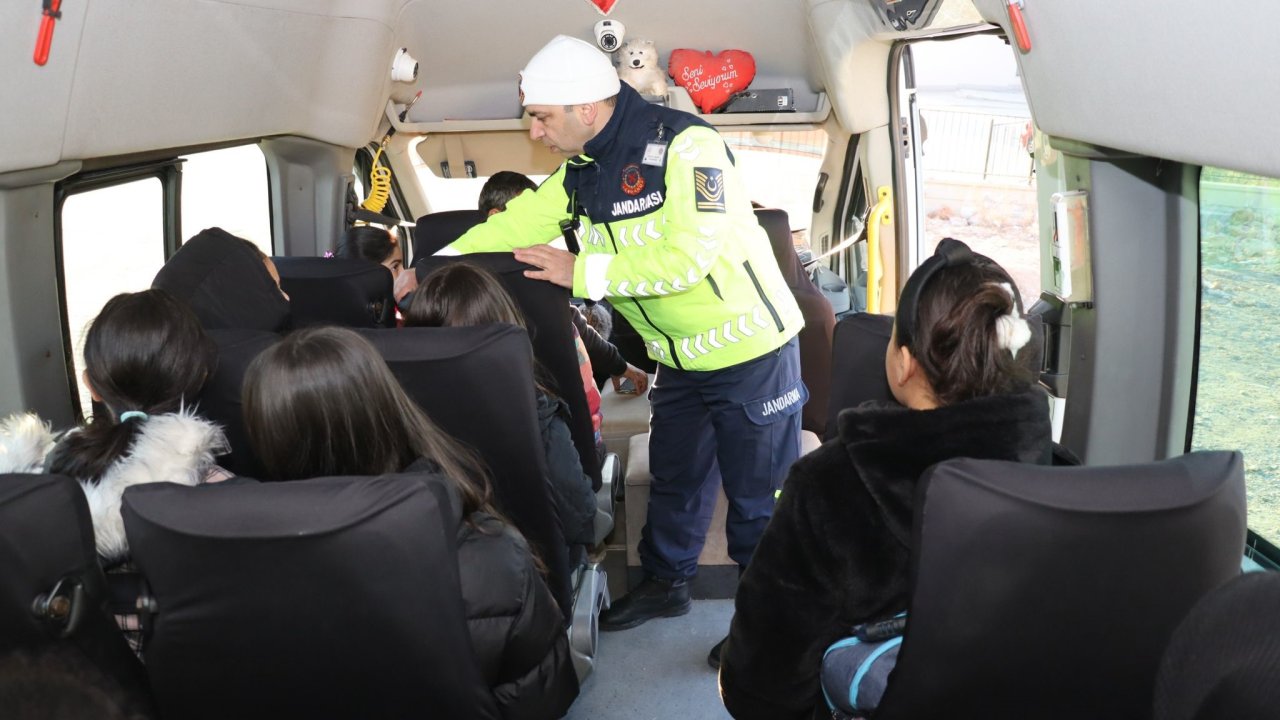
(888, 443)
(174, 447)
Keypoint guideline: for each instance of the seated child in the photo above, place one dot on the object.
(322, 402)
(145, 358)
(835, 553)
(460, 294)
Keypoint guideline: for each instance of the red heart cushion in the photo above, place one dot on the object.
(711, 79)
(604, 6)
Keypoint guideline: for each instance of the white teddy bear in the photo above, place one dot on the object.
(638, 67)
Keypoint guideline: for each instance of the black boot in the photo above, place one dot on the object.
(713, 657)
(653, 598)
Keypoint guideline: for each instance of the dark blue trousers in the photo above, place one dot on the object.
(739, 426)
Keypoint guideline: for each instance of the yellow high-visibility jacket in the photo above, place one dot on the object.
(672, 243)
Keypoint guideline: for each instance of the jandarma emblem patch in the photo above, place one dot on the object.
(632, 180)
(708, 189)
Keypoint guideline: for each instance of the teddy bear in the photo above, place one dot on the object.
(638, 67)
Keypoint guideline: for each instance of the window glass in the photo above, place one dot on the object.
(1236, 402)
(112, 242)
(975, 161)
(228, 189)
(780, 169)
(455, 193)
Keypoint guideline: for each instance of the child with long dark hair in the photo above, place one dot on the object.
(836, 550)
(146, 358)
(322, 402)
(460, 294)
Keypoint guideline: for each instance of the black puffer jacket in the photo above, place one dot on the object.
(835, 552)
(517, 630)
(571, 488)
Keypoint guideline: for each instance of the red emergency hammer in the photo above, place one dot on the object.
(52, 11)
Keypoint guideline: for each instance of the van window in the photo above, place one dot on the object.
(1236, 402)
(228, 189)
(975, 161)
(455, 193)
(780, 169)
(112, 243)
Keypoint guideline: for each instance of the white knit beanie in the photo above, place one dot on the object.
(568, 71)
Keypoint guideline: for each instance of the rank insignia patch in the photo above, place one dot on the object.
(708, 189)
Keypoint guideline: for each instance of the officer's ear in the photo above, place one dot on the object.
(588, 113)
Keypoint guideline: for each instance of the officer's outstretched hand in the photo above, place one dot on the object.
(554, 265)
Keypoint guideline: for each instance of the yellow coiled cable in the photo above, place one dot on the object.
(379, 184)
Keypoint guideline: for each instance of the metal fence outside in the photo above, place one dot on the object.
(980, 145)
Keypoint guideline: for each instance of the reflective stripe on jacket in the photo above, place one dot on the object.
(675, 246)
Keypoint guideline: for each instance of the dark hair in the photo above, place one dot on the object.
(501, 187)
(369, 242)
(463, 295)
(955, 338)
(146, 352)
(460, 294)
(322, 402)
(59, 683)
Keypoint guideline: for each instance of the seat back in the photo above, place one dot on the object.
(438, 229)
(220, 398)
(819, 319)
(335, 597)
(476, 383)
(1224, 659)
(351, 292)
(1051, 592)
(857, 362)
(546, 311)
(47, 550)
(857, 365)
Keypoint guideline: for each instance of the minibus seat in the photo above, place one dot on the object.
(220, 399)
(547, 313)
(54, 595)
(477, 384)
(819, 319)
(1051, 592)
(857, 365)
(351, 292)
(434, 231)
(857, 361)
(1224, 659)
(223, 279)
(333, 597)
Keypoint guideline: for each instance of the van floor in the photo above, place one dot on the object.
(658, 670)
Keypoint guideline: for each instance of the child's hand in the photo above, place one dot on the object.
(637, 377)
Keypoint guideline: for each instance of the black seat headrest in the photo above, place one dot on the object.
(335, 597)
(1224, 658)
(220, 399)
(477, 384)
(1051, 592)
(439, 229)
(351, 292)
(546, 311)
(46, 543)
